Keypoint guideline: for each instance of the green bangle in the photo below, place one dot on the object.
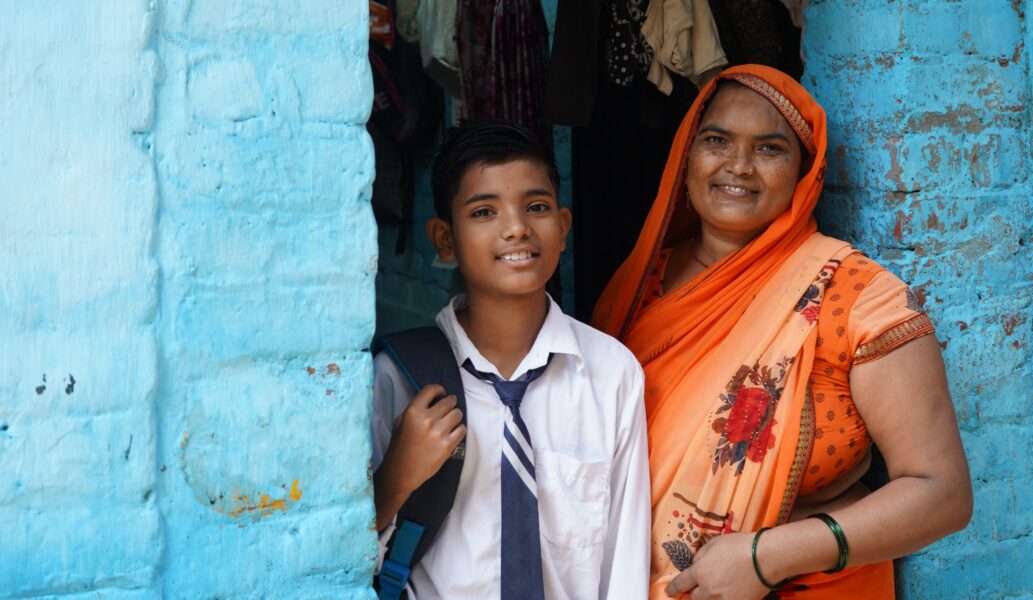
(756, 564)
(844, 550)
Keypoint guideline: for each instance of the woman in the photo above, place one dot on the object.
(774, 357)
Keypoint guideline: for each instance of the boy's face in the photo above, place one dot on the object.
(507, 229)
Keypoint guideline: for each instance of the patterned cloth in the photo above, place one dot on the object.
(503, 54)
(627, 54)
(521, 547)
(867, 313)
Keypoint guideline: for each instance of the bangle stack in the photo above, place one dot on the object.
(756, 564)
(844, 550)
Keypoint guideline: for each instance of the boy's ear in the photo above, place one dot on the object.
(439, 232)
(565, 220)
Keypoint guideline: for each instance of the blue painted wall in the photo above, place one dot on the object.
(931, 139)
(186, 289)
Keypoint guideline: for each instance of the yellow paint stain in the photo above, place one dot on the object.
(265, 505)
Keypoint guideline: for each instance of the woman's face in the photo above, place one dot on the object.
(743, 164)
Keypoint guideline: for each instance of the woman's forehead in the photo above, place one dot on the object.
(737, 108)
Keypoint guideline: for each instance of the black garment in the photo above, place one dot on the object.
(758, 32)
(617, 164)
(622, 132)
(573, 73)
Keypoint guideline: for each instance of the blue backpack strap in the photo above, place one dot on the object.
(425, 357)
(394, 573)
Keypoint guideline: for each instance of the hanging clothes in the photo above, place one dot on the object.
(685, 42)
(795, 8)
(627, 54)
(573, 73)
(436, 21)
(406, 113)
(759, 32)
(622, 127)
(405, 20)
(503, 53)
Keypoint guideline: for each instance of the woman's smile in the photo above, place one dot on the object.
(734, 191)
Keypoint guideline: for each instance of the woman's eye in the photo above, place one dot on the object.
(771, 149)
(714, 140)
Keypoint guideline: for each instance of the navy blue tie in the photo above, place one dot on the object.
(521, 545)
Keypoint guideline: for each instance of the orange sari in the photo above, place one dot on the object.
(727, 359)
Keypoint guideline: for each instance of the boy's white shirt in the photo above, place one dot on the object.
(586, 418)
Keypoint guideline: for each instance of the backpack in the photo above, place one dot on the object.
(425, 357)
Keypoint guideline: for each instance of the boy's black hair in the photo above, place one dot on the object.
(483, 142)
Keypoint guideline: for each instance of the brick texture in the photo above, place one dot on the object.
(929, 172)
(188, 260)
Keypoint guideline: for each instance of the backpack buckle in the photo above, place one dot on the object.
(393, 577)
(395, 571)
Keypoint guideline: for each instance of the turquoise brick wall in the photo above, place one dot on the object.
(188, 257)
(931, 138)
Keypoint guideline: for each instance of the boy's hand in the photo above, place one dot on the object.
(424, 437)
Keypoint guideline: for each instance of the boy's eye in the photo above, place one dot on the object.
(538, 207)
(482, 212)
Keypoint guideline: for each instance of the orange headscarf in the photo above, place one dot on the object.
(727, 357)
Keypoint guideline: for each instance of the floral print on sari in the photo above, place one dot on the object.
(746, 416)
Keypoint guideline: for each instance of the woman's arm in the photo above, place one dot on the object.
(906, 406)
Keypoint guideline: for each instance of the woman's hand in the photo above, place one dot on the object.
(723, 568)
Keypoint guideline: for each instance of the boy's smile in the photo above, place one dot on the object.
(507, 229)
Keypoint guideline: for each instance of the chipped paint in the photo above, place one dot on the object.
(930, 139)
(186, 226)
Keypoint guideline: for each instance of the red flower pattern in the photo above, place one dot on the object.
(749, 407)
(744, 418)
(764, 441)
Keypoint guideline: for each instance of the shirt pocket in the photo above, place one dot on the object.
(573, 496)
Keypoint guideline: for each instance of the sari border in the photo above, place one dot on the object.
(784, 106)
(804, 447)
(893, 338)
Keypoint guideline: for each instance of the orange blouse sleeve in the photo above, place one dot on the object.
(886, 315)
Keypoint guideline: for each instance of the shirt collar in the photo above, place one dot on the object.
(555, 337)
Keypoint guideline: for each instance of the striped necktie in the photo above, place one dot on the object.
(521, 545)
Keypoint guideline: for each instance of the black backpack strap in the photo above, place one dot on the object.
(425, 357)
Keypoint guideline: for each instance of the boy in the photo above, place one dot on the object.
(553, 501)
